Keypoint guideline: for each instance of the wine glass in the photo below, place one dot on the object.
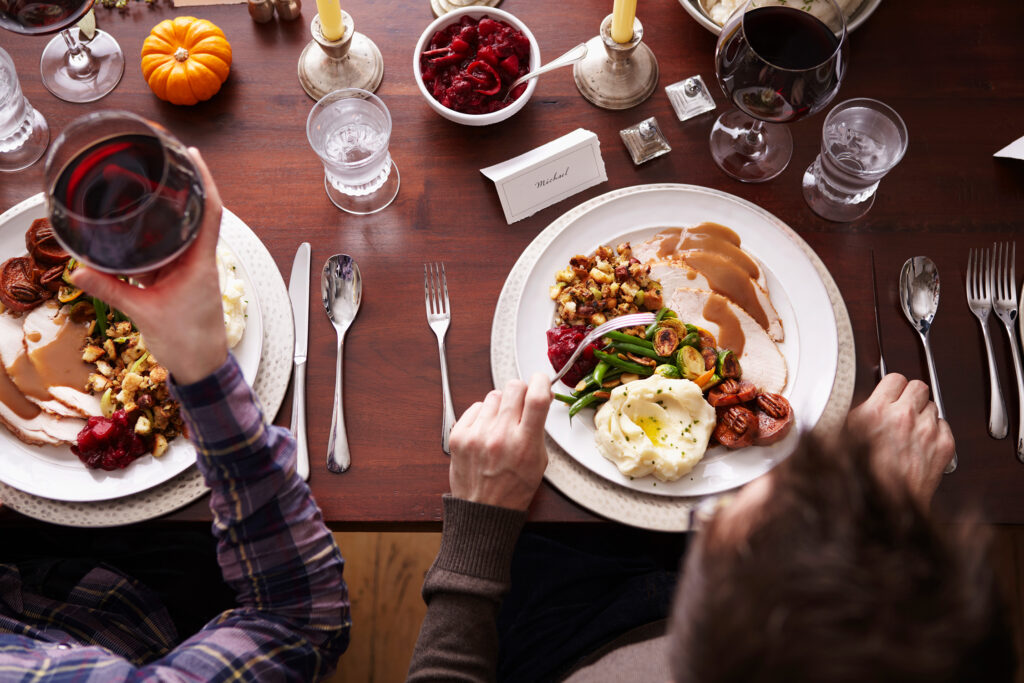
(72, 68)
(778, 62)
(123, 194)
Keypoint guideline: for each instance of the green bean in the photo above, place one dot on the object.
(565, 399)
(649, 332)
(626, 365)
(600, 371)
(615, 335)
(640, 351)
(582, 402)
(101, 316)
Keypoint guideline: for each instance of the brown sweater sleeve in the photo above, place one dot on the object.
(463, 589)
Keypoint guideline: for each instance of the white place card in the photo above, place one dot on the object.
(548, 174)
(1014, 150)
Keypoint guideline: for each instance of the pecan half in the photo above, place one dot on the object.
(737, 419)
(774, 405)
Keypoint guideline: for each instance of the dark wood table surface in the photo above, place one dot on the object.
(951, 69)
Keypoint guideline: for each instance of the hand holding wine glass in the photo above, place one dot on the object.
(777, 63)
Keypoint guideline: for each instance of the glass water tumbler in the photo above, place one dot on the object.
(23, 130)
(862, 140)
(349, 130)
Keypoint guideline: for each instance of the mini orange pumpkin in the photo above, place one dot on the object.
(185, 60)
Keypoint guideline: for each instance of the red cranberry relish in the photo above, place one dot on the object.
(467, 66)
(562, 342)
(109, 443)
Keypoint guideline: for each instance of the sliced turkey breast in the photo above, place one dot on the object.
(54, 343)
(744, 292)
(761, 361)
(17, 365)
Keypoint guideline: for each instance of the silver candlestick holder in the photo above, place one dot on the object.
(620, 76)
(352, 62)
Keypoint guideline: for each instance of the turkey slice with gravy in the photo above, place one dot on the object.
(761, 361)
(743, 291)
(54, 342)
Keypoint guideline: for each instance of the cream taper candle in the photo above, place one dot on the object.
(623, 13)
(330, 19)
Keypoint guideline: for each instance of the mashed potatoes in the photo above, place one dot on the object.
(656, 426)
(232, 294)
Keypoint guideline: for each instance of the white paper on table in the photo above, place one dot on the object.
(548, 174)
(1014, 150)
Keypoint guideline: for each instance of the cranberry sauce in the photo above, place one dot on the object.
(562, 343)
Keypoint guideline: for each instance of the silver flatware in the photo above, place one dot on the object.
(631, 320)
(439, 317)
(298, 292)
(571, 56)
(342, 289)
(979, 300)
(919, 299)
(878, 322)
(1004, 303)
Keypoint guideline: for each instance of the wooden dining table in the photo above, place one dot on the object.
(951, 69)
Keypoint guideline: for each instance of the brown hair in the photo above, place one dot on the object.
(840, 579)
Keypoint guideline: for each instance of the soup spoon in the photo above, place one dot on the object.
(342, 289)
(919, 299)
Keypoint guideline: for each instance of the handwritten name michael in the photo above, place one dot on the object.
(547, 181)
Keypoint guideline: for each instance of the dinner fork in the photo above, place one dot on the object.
(1004, 303)
(979, 300)
(439, 316)
(631, 320)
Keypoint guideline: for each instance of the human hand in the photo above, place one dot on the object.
(179, 311)
(498, 454)
(908, 441)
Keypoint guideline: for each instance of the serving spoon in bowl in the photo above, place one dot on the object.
(570, 57)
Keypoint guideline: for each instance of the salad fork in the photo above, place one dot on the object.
(979, 300)
(439, 316)
(1004, 303)
(631, 320)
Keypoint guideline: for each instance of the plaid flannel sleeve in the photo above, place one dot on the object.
(293, 618)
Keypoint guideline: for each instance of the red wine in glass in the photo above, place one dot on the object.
(777, 63)
(32, 17)
(73, 68)
(128, 202)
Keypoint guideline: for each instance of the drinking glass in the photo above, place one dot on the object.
(73, 69)
(23, 130)
(777, 62)
(349, 130)
(123, 194)
(861, 141)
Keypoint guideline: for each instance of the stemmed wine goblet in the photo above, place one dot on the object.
(73, 69)
(777, 62)
(123, 194)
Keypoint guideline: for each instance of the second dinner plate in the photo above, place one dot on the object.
(810, 348)
(54, 472)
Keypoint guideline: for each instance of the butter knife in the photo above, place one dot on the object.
(298, 292)
(878, 322)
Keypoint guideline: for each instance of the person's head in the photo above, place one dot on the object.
(822, 572)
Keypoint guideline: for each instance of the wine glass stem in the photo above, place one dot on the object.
(80, 63)
(754, 140)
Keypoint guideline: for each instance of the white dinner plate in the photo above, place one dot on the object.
(858, 17)
(811, 341)
(54, 471)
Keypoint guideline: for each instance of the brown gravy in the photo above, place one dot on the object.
(730, 333)
(58, 363)
(714, 251)
(12, 397)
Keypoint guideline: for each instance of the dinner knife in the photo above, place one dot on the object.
(878, 323)
(298, 292)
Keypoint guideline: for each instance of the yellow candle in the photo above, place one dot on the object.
(330, 19)
(623, 12)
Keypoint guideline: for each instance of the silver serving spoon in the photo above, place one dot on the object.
(919, 298)
(571, 57)
(342, 289)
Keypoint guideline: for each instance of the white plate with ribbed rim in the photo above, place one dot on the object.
(811, 340)
(54, 471)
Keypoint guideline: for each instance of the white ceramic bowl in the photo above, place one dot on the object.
(858, 17)
(476, 13)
